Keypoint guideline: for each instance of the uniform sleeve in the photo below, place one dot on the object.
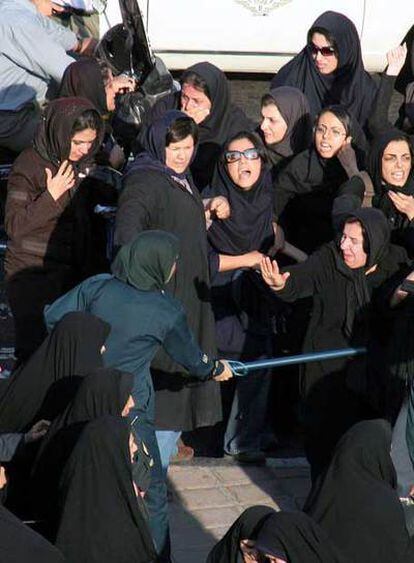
(181, 345)
(137, 207)
(37, 50)
(28, 207)
(77, 299)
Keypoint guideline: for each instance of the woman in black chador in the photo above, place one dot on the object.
(345, 281)
(261, 534)
(39, 388)
(100, 520)
(356, 501)
(329, 70)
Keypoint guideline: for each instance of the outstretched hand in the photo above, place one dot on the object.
(271, 274)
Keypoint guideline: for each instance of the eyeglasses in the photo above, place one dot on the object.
(324, 51)
(234, 156)
(323, 130)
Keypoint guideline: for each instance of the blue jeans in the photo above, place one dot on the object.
(167, 444)
(248, 419)
(156, 496)
(400, 455)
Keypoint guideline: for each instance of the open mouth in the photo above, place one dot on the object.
(325, 147)
(400, 175)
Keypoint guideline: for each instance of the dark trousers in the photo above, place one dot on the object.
(28, 292)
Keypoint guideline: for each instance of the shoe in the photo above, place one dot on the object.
(183, 455)
(252, 458)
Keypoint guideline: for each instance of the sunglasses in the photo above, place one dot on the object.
(234, 156)
(324, 51)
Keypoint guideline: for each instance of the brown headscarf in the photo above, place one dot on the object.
(53, 137)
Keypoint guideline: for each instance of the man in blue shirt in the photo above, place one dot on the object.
(33, 55)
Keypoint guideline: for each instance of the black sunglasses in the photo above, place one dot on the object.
(324, 51)
(234, 156)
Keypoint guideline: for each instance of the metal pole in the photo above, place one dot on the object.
(242, 368)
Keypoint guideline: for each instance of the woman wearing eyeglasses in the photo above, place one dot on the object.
(242, 312)
(329, 70)
(313, 177)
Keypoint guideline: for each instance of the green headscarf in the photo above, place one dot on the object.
(146, 262)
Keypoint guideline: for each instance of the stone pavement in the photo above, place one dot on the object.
(209, 494)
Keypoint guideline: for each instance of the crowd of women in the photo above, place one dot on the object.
(228, 240)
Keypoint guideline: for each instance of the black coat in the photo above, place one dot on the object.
(152, 200)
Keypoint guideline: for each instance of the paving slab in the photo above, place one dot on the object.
(207, 495)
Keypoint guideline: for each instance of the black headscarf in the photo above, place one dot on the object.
(249, 226)
(356, 501)
(153, 143)
(219, 125)
(296, 538)
(20, 544)
(294, 108)
(245, 527)
(72, 349)
(377, 233)
(53, 136)
(146, 262)
(223, 121)
(100, 521)
(103, 392)
(350, 85)
(378, 146)
(83, 79)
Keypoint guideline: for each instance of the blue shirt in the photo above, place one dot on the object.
(32, 53)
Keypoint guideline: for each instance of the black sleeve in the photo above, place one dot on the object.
(307, 278)
(137, 207)
(287, 184)
(349, 198)
(379, 121)
(8, 445)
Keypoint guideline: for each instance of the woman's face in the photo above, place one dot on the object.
(133, 448)
(352, 246)
(195, 103)
(178, 155)
(396, 163)
(330, 135)
(323, 54)
(273, 125)
(130, 404)
(81, 144)
(243, 171)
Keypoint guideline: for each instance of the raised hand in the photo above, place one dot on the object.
(404, 203)
(271, 274)
(198, 114)
(63, 181)
(396, 59)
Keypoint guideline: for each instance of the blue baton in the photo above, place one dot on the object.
(241, 369)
